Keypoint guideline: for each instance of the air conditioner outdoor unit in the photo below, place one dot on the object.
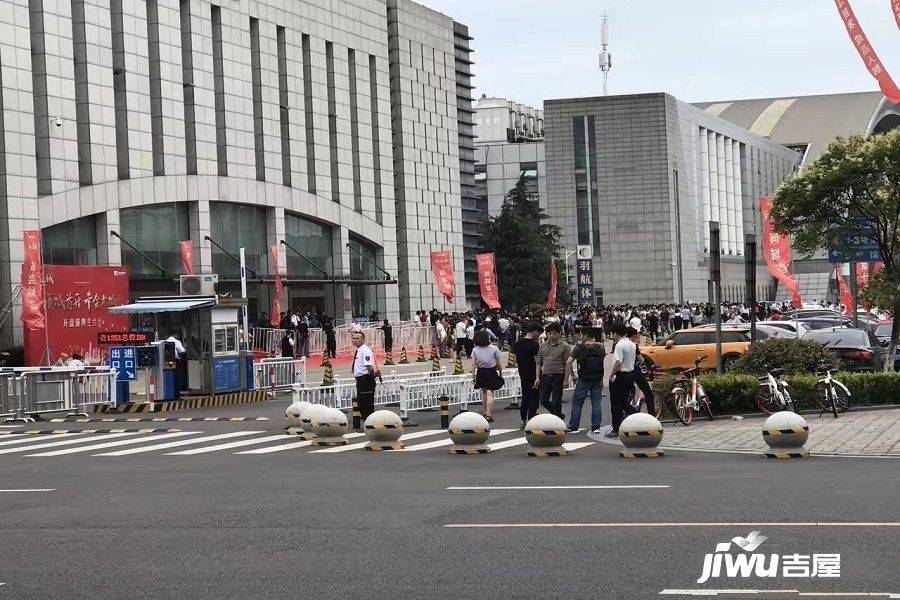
(198, 285)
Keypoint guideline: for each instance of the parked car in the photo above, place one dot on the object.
(680, 349)
(802, 313)
(795, 327)
(883, 333)
(825, 321)
(859, 349)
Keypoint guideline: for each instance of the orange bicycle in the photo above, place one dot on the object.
(687, 396)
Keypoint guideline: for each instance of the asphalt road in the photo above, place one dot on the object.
(221, 525)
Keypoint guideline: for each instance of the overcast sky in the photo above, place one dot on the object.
(531, 50)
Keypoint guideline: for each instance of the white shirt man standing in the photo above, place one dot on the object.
(621, 378)
(364, 373)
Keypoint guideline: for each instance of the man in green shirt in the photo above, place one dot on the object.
(551, 370)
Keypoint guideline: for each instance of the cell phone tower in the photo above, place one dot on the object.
(605, 55)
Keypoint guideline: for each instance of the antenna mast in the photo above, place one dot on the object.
(605, 56)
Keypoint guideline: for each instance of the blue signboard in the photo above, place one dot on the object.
(226, 374)
(585, 273)
(855, 248)
(124, 360)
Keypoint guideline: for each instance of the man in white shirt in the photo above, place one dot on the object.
(181, 370)
(460, 331)
(364, 373)
(621, 379)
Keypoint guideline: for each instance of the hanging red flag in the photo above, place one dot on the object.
(551, 297)
(844, 291)
(187, 256)
(875, 67)
(862, 274)
(487, 279)
(275, 318)
(777, 250)
(895, 6)
(876, 267)
(32, 281)
(442, 267)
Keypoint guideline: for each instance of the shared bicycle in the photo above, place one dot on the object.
(687, 396)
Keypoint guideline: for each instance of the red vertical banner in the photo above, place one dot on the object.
(551, 296)
(876, 267)
(875, 67)
(275, 317)
(33, 310)
(844, 291)
(187, 256)
(777, 250)
(862, 274)
(442, 267)
(487, 279)
(895, 6)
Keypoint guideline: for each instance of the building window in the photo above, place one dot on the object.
(364, 300)
(155, 231)
(587, 201)
(233, 226)
(70, 243)
(312, 240)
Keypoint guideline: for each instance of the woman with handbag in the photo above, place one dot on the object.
(486, 371)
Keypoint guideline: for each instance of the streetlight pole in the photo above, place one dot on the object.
(568, 284)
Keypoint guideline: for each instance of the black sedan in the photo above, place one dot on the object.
(859, 349)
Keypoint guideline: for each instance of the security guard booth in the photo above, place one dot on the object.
(210, 331)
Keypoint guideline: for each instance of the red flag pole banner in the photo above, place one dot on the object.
(844, 291)
(777, 250)
(895, 6)
(275, 317)
(487, 279)
(442, 267)
(187, 256)
(551, 297)
(33, 308)
(875, 67)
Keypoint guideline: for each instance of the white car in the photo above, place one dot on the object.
(795, 327)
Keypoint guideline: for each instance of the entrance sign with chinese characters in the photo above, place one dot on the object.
(442, 267)
(777, 250)
(487, 279)
(124, 360)
(77, 311)
(866, 52)
(584, 267)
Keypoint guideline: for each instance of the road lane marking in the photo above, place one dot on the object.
(31, 490)
(403, 438)
(557, 487)
(20, 438)
(291, 446)
(209, 438)
(139, 440)
(78, 439)
(572, 446)
(749, 592)
(687, 525)
(227, 445)
(448, 441)
(507, 444)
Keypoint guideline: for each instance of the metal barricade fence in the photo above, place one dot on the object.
(8, 395)
(339, 395)
(30, 391)
(93, 388)
(280, 373)
(409, 336)
(427, 395)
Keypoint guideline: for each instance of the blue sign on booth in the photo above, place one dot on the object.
(226, 374)
(124, 360)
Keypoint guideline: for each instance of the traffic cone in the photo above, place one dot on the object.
(511, 360)
(404, 360)
(457, 366)
(420, 355)
(389, 358)
(325, 361)
(504, 346)
(435, 361)
(328, 375)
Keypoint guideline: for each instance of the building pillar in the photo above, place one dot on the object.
(200, 227)
(109, 247)
(343, 302)
(738, 194)
(729, 196)
(723, 194)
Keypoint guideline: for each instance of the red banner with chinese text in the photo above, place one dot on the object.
(862, 274)
(777, 250)
(487, 279)
(77, 309)
(895, 6)
(32, 288)
(844, 291)
(442, 267)
(551, 296)
(875, 67)
(187, 256)
(275, 317)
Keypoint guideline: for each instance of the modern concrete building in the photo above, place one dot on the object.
(509, 143)
(334, 127)
(639, 177)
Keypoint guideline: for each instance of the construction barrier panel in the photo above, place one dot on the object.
(280, 373)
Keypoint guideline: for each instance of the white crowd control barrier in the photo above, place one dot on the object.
(387, 388)
(32, 391)
(339, 395)
(280, 373)
(459, 389)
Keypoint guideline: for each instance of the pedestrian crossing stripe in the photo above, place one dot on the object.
(177, 443)
(156, 419)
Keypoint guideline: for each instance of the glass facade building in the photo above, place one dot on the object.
(155, 231)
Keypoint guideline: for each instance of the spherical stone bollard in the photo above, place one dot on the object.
(308, 416)
(329, 426)
(785, 433)
(383, 430)
(292, 415)
(469, 431)
(640, 431)
(545, 434)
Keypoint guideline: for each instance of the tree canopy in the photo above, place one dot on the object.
(523, 244)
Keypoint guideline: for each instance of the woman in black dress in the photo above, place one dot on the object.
(486, 370)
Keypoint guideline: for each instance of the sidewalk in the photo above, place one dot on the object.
(861, 433)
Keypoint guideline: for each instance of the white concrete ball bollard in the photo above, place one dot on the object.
(308, 416)
(292, 413)
(329, 427)
(469, 431)
(383, 430)
(785, 433)
(640, 433)
(545, 434)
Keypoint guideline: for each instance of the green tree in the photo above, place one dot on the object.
(523, 244)
(852, 190)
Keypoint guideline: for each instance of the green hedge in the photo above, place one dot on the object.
(733, 393)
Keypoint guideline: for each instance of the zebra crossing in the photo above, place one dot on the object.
(238, 443)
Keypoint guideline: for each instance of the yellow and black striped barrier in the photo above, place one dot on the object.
(648, 454)
(381, 446)
(420, 355)
(652, 433)
(801, 453)
(473, 450)
(388, 358)
(67, 431)
(156, 419)
(247, 397)
(357, 416)
(778, 432)
(445, 412)
(539, 453)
